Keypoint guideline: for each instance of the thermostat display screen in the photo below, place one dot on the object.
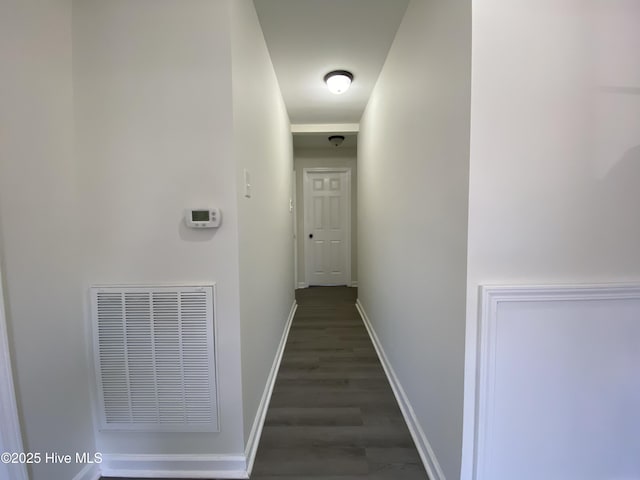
(200, 216)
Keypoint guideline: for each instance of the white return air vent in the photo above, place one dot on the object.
(154, 357)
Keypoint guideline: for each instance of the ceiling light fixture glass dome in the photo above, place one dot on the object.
(338, 81)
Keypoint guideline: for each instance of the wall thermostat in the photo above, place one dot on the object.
(203, 217)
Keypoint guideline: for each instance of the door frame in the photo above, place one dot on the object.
(294, 212)
(306, 186)
(10, 434)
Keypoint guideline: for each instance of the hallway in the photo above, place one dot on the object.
(333, 415)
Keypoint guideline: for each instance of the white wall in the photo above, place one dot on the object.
(326, 157)
(262, 144)
(413, 157)
(40, 232)
(555, 144)
(154, 125)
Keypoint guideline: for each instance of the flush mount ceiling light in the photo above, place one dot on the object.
(336, 140)
(338, 81)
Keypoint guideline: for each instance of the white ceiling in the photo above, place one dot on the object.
(308, 38)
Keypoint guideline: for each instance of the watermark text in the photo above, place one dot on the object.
(34, 458)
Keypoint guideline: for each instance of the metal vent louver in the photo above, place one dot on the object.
(154, 355)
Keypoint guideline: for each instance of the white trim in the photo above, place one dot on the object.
(89, 472)
(490, 298)
(303, 285)
(256, 430)
(354, 284)
(10, 434)
(423, 446)
(294, 212)
(324, 128)
(175, 466)
(305, 193)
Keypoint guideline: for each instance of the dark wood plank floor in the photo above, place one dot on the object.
(333, 415)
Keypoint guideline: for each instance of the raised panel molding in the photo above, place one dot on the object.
(507, 315)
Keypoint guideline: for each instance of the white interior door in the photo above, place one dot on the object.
(327, 205)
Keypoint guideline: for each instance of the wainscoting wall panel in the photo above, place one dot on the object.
(559, 383)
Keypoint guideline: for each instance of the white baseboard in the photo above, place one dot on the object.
(303, 285)
(89, 472)
(175, 466)
(420, 439)
(256, 429)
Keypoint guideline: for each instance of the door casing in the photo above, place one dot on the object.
(307, 225)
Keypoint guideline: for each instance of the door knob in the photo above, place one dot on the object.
(311, 235)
